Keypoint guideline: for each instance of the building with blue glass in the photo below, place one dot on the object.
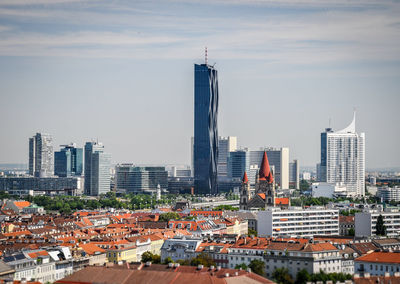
(205, 146)
(97, 169)
(68, 161)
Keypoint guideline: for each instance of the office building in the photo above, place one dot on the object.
(133, 179)
(225, 146)
(68, 161)
(97, 169)
(387, 194)
(278, 160)
(41, 155)
(294, 174)
(238, 163)
(205, 148)
(295, 221)
(343, 158)
(365, 222)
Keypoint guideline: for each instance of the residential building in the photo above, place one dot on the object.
(97, 169)
(294, 174)
(387, 194)
(346, 225)
(378, 264)
(225, 146)
(365, 222)
(41, 155)
(68, 161)
(133, 179)
(247, 249)
(296, 221)
(180, 248)
(343, 158)
(205, 148)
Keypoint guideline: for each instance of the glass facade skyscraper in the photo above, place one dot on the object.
(68, 161)
(205, 148)
(97, 169)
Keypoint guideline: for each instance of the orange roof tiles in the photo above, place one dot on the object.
(282, 201)
(91, 248)
(38, 253)
(245, 178)
(265, 172)
(21, 204)
(384, 257)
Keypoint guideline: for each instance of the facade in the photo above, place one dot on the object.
(225, 146)
(295, 221)
(130, 178)
(343, 159)
(365, 222)
(387, 194)
(329, 190)
(294, 174)
(238, 163)
(205, 148)
(23, 185)
(41, 155)
(180, 248)
(97, 169)
(68, 161)
(378, 264)
(279, 161)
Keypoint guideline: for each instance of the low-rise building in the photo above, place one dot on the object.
(295, 221)
(180, 248)
(346, 225)
(378, 263)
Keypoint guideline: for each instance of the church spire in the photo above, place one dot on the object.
(265, 172)
(245, 178)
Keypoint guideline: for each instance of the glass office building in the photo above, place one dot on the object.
(205, 148)
(68, 161)
(41, 155)
(97, 169)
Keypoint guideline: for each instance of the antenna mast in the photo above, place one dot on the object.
(206, 56)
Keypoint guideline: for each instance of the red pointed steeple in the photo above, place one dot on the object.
(265, 172)
(245, 178)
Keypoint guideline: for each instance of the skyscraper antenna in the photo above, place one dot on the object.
(206, 56)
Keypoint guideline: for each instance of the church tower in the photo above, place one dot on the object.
(244, 192)
(265, 184)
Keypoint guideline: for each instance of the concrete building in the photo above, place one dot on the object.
(295, 221)
(365, 222)
(97, 169)
(130, 178)
(41, 155)
(180, 248)
(387, 194)
(343, 158)
(329, 190)
(225, 146)
(378, 264)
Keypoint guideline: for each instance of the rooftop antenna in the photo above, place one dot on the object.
(206, 56)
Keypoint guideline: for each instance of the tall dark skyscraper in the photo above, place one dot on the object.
(68, 161)
(205, 148)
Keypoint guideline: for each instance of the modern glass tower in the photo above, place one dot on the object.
(41, 155)
(343, 159)
(97, 169)
(205, 148)
(68, 161)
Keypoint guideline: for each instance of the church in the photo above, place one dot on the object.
(264, 195)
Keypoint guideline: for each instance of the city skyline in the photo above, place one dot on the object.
(294, 65)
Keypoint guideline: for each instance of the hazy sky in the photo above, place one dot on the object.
(122, 72)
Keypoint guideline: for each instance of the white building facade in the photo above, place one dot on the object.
(365, 222)
(296, 221)
(343, 159)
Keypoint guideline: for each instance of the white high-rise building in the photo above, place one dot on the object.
(225, 145)
(41, 155)
(343, 158)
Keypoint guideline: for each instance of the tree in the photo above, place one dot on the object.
(204, 259)
(168, 260)
(282, 276)
(302, 277)
(257, 266)
(351, 232)
(169, 216)
(380, 226)
(149, 256)
(241, 266)
(252, 232)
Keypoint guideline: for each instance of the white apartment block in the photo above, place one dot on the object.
(365, 222)
(295, 221)
(389, 193)
(343, 159)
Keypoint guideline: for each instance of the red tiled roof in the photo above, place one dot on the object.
(282, 201)
(21, 204)
(38, 253)
(245, 178)
(384, 257)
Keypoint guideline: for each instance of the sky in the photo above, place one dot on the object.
(122, 72)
